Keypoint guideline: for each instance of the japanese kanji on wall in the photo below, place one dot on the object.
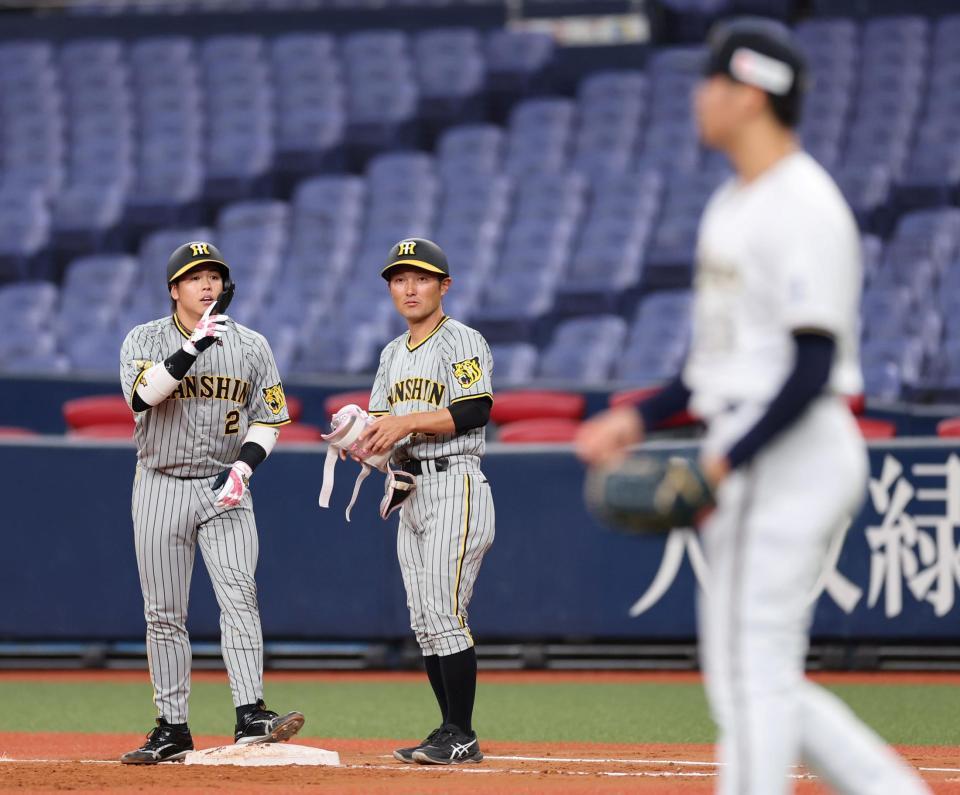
(893, 572)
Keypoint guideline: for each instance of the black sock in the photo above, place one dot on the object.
(180, 727)
(460, 681)
(432, 663)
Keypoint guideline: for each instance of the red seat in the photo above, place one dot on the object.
(337, 401)
(857, 403)
(294, 408)
(97, 410)
(12, 432)
(299, 432)
(876, 429)
(105, 430)
(949, 427)
(532, 404)
(629, 397)
(559, 430)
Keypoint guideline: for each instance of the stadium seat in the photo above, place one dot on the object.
(876, 429)
(106, 430)
(515, 363)
(97, 410)
(15, 432)
(335, 402)
(531, 404)
(546, 430)
(949, 427)
(294, 409)
(299, 432)
(584, 349)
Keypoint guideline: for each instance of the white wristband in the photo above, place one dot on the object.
(156, 385)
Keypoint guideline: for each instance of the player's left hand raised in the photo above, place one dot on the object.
(232, 484)
(384, 433)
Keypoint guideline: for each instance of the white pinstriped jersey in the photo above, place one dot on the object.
(199, 429)
(451, 364)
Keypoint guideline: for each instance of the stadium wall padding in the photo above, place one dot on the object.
(69, 571)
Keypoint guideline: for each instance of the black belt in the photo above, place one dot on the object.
(415, 467)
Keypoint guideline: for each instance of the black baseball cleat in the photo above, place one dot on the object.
(406, 754)
(450, 747)
(164, 744)
(262, 725)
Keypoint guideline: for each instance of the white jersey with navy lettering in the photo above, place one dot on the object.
(447, 526)
(183, 443)
(776, 256)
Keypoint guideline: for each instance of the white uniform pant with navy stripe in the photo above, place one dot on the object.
(446, 527)
(765, 546)
(170, 517)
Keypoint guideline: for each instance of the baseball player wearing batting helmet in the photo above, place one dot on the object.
(773, 353)
(432, 395)
(208, 404)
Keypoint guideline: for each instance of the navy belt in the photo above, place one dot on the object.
(431, 466)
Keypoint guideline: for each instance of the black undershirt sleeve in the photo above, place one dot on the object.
(178, 364)
(470, 414)
(814, 360)
(670, 400)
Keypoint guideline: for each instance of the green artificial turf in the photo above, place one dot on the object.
(602, 712)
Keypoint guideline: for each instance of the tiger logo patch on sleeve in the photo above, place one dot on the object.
(467, 372)
(274, 398)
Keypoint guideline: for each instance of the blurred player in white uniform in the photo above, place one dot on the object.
(773, 353)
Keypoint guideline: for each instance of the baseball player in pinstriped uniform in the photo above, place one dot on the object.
(774, 350)
(432, 395)
(208, 403)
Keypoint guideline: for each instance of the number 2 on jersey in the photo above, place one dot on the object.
(231, 423)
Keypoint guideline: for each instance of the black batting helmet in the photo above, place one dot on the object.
(761, 53)
(417, 252)
(190, 255)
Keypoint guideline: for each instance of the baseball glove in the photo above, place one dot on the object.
(653, 492)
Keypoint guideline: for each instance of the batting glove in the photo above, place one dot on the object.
(209, 329)
(232, 484)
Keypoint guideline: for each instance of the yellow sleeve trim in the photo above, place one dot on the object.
(272, 424)
(136, 383)
(472, 397)
(378, 413)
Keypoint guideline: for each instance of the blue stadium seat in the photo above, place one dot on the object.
(514, 364)
(584, 350)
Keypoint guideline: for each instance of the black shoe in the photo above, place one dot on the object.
(450, 747)
(262, 725)
(406, 754)
(164, 744)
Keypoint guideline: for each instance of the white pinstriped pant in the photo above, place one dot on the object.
(170, 517)
(765, 546)
(446, 527)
